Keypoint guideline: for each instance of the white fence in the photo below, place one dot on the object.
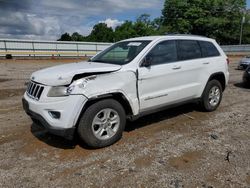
(22, 48)
(49, 48)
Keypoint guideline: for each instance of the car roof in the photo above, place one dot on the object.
(170, 36)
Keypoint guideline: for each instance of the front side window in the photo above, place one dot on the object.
(164, 52)
(121, 53)
(188, 49)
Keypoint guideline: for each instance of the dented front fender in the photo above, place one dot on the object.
(104, 84)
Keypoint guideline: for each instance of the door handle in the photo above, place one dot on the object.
(176, 67)
(206, 63)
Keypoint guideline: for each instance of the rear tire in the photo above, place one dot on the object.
(212, 96)
(102, 124)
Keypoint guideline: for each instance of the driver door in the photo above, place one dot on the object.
(159, 83)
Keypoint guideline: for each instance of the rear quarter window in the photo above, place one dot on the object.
(208, 49)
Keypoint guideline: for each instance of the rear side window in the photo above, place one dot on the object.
(208, 49)
(164, 52)
(188, 49)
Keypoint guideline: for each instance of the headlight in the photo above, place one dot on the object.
(60, 91)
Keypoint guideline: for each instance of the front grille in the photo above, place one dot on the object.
(34, 90)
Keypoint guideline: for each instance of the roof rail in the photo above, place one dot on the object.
(177, 34)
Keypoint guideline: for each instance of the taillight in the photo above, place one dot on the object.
(228, 61)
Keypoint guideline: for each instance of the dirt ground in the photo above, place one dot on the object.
(180, 147)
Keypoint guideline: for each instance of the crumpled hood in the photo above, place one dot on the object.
(63, 74)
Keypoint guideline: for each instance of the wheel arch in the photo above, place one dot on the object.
(119, 97)
(220, 76)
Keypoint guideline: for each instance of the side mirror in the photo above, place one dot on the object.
(147, 61)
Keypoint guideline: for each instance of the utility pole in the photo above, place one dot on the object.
(241, 28)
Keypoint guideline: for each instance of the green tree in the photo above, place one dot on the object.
(65, 37)
(77, 37)
(246, 29)
(157, 23)
(145, 19)
(125, 31)
(219, 19)
(101, 33)
(143, 26)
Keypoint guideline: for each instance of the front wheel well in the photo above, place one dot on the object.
(119, 97)
(220, 77)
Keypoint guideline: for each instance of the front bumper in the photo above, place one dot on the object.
(66, 133)
(69, 108)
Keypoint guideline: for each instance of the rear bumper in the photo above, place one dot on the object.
(67, 133)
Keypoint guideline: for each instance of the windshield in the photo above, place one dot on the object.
(121, 53)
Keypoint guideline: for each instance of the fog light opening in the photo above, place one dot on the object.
(54, 114)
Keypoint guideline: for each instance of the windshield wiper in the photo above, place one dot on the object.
(99, 61)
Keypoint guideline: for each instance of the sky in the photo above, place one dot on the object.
(48, 19)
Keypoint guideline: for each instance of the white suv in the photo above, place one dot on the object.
(131, 78)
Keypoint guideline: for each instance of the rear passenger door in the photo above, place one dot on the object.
(193, 68)
(211, 59)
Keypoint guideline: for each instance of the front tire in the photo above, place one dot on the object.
(212, 96)
(102, 124)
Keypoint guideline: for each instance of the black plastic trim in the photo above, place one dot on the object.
(162, 108)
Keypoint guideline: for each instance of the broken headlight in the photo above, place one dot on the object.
(60, 91)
